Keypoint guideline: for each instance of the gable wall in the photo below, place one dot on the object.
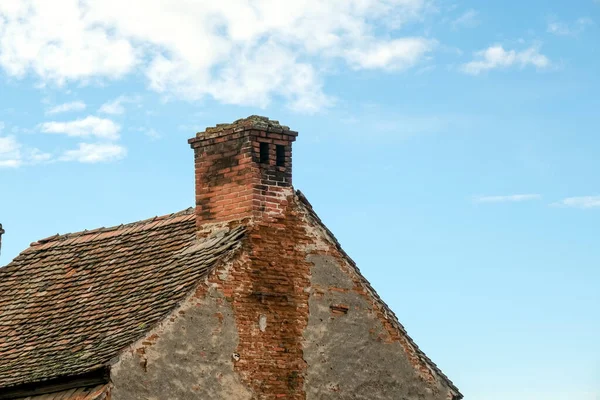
(289, 318)
(351, 354)
(352, 349)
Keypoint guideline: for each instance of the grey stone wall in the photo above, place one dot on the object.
(347, 348)
(189, 357)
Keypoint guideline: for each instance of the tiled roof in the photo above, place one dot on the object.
(70, 303)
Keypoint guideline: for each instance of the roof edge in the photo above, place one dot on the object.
(394, 319)
(71, 235)
(95, 376)
(239, 235)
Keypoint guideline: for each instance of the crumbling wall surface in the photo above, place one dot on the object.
(269, 294)
(350, 354)
(189, 357)
(289, 318)
(241, 336)
(353, 345)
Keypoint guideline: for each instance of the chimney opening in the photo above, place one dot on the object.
(280, 155)
(264, 153)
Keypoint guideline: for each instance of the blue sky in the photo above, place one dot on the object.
(451, 146)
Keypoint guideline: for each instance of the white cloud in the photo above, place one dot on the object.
(88, 126)
(468, 19)
(236, 51)
(10, 152)
(116, 106)
(506, 198)
(13, 154)
(36, 156)
(583, 202)
(563, 29)
(150, 133)
(94, 153)
(496, 57)
(58, 42)
(66, 107)
(396, 54)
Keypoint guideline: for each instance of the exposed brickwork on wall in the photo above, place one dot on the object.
(244, 172)
(268, 292)
(232, 181)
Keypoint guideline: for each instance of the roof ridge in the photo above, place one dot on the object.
(71, 235)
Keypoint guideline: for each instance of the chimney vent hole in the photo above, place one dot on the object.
(264, 153)
(280, 155)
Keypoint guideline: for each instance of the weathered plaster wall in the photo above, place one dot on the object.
(257, 309)
(350, 354)
(189, 357)
(290, 318)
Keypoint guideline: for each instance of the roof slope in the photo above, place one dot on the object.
(70, 303)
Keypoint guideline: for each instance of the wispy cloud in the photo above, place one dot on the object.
(507, 198)
(95, 153)
(150, 133)
(13, 154)
(582, 202)
(89, 126)
(36, 156)
(10, 153)
(66, 107)
(393, 126)
(468, 19)
(559, 28)
(397, 54)
(117, 106)
(496, 57)
(245, 53)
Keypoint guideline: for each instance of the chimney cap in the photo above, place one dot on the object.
(253, 122)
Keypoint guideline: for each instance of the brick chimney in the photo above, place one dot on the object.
(243, 170)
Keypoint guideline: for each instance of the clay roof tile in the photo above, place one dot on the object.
(107, 286)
